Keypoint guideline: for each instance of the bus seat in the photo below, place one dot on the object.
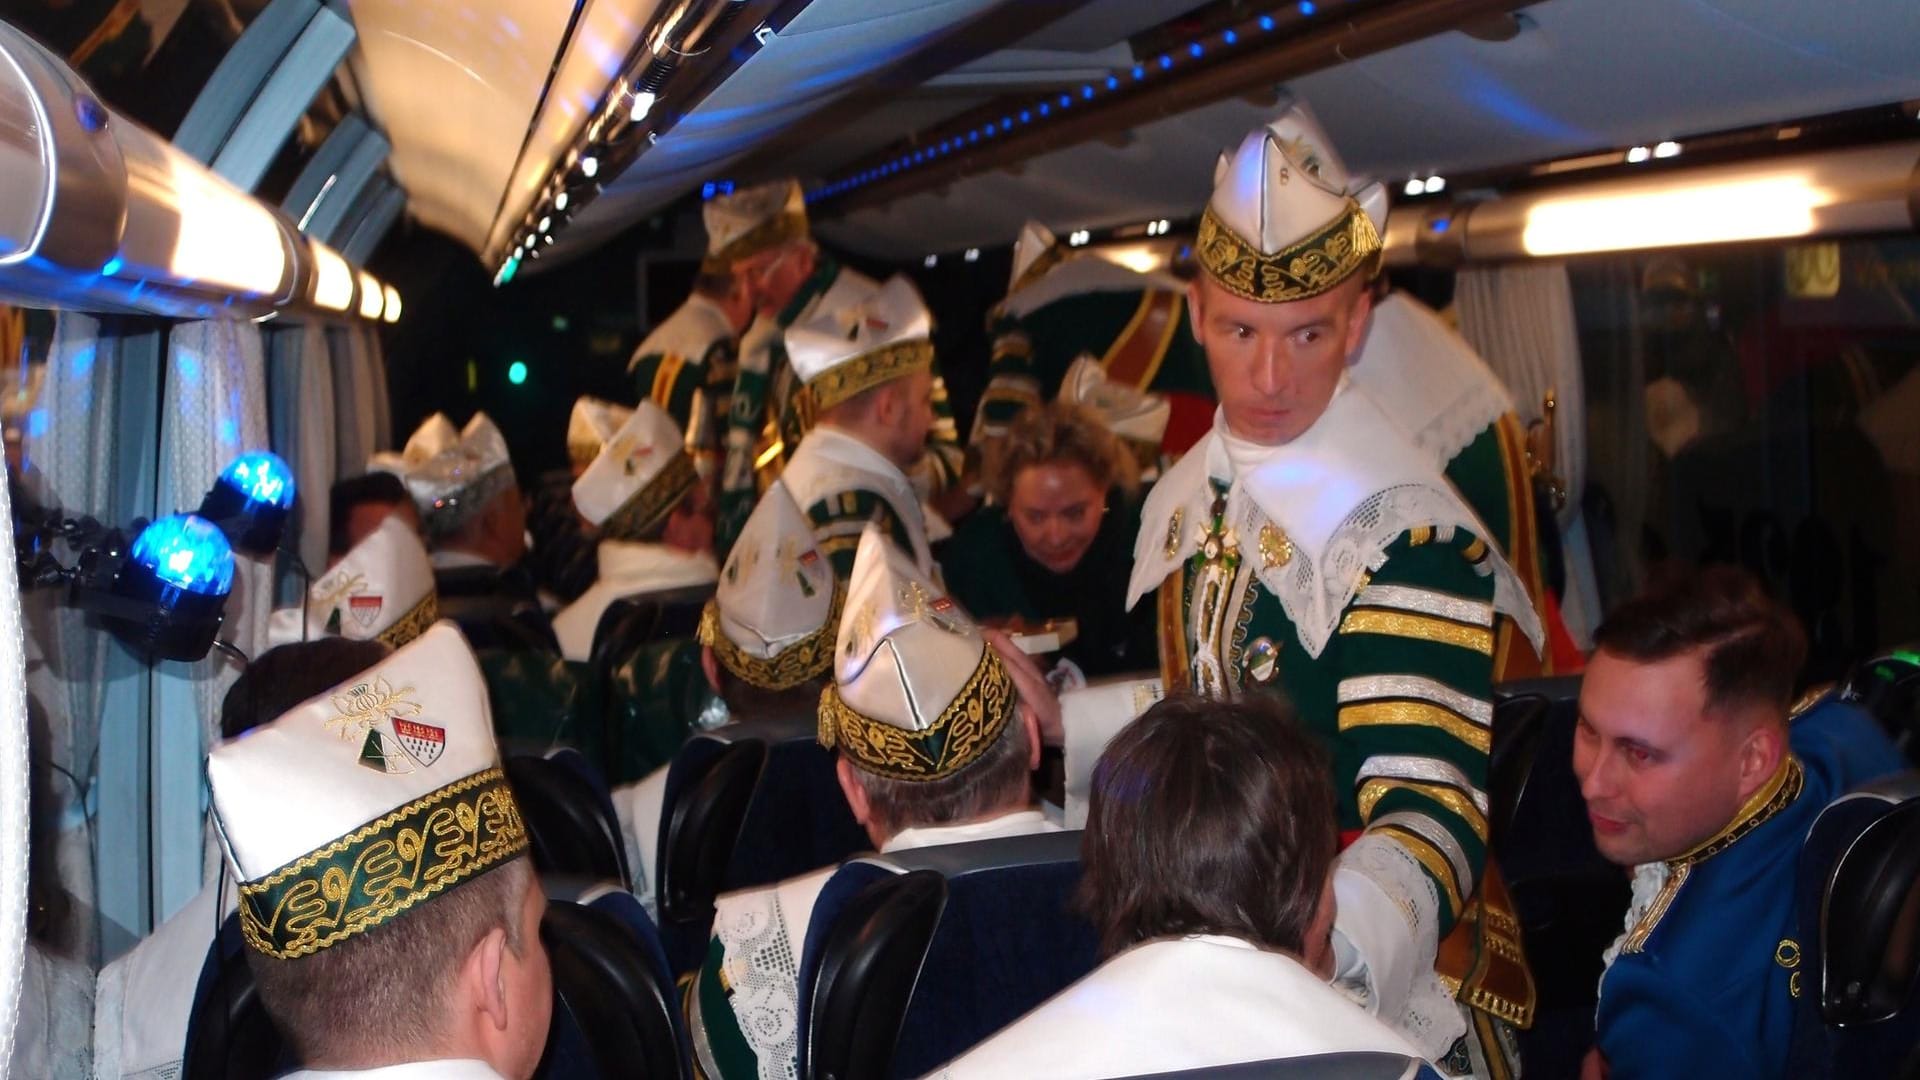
(1888, 686)
(655, 696)
(1518, 721)
(569, 816)
(1358, 1065)
(1859, 902)
(630, 623)
(229, 1034)
(915, 956)
(615, 1009)
(541, 701)
(792, 819)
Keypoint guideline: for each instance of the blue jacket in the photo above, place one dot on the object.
(1705, 984)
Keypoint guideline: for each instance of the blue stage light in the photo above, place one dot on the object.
(262, 477)
(186, 552)
(250, 502)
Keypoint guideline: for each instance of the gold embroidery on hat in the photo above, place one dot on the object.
(413, 623)
(784, 227)
(1305, 269)
(959, 735)
(365, 704)
(850, 377)
(645, 508)
(807, 658)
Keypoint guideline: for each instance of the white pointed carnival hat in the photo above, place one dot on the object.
(1280, 225)
(1035, 252)
(746, 222)
(382, 589)
(592, 422)
(917, 692)
(638, 477)
(876, 337)
(451, 480)
(365, 803)
(1128, 413)
(773, 617)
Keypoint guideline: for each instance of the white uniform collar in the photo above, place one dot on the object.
(687, 333)
(1427, 378)
(1337, 495)
(1018, 823)
(830, 461)
(463, 1069)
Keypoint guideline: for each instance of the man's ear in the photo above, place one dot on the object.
(1760, 755)
(1194, 313)
(486, 977)
(1031, 722)
(855, 792)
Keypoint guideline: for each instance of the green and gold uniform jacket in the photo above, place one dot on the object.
(1134, 324)
(842, 485)
(769, 412)
(1387, 643)
(686, 365)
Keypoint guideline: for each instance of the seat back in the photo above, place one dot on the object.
(628, 624)
(746, 804)
(1353, 1065)
(229, 1034)
(1859, 898)
(570, 819)
(615, 1012)
(1519, 721)
(1004, 939)
(1888, 686)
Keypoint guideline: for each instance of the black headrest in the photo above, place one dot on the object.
(1518, 723)
(708, 789)
(1006, 940)
(615, 996)
(1870, 914)
(630, 623)
(869, 961)
(568, 819)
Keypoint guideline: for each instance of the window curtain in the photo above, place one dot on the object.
(356, 430)
(1521, 320)
(300, 380)
(377, 387)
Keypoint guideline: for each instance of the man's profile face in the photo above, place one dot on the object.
(1275, 366)
(1659, 773)
(910, 418)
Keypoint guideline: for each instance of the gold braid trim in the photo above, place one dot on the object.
(1308, 268)
(1419, 628)
(784, 227)
(639, 514)
(807, 658)
(384, 867)
(1774, 796)
(413, 623)
(962, 732)
(868, 370)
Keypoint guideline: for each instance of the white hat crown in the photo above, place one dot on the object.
(876, 336)
(638, 476)
(1126, 411)
(917, 693)
(754, 219)
(1035, 243)
(591, 423)
(451, 477)
(774, 614)
(381, 589)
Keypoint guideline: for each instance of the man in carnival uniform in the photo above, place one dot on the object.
(1308, 546)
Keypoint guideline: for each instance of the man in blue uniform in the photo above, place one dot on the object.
(1699, 775)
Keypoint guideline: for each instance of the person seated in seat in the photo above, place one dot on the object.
(463, 484)
(359, 504)
(936, 747)
(655, 523)
(1208, 871)
(381, 590)
(765, 648)
(390, 914)
(141, 1012)
(1057, 541)
(1700, 776)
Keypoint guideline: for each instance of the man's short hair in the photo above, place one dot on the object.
(374, 487)
(384, 990)
(746, 701)
(283, 677)
(1751, 647)
(1208, 817)
(999, 777)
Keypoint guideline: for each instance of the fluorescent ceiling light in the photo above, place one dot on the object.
(1675, 215)
(332, 278)
(391, 312)
(370, 296)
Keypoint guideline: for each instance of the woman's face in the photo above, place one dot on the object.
(1056, 509)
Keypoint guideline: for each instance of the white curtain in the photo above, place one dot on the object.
(377, 386)
(356, 411)
(1520, 319)
(301, 381)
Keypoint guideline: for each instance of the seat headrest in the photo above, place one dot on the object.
(1870, 914)
(954, 861)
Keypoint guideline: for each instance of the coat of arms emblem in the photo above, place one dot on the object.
(365, 609)
(422, 742)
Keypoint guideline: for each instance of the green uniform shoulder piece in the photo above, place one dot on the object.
(840, 518)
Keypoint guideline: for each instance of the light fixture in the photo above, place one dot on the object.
(642, 104)
(1078, 238)
(547, 239)
(370, 296)
(1416, 186)
(1436, 184)
(1638, 154)
(1666, 149)
(560, 201)
(972, 255)
(546, 223)
(250, 501)
(391, 312)
(589, 166)
(332, 278)
(517, 372)
(931, 261)
(1673, 215)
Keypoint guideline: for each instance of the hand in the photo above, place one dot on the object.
(1594, 1066)
(1032, 685)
